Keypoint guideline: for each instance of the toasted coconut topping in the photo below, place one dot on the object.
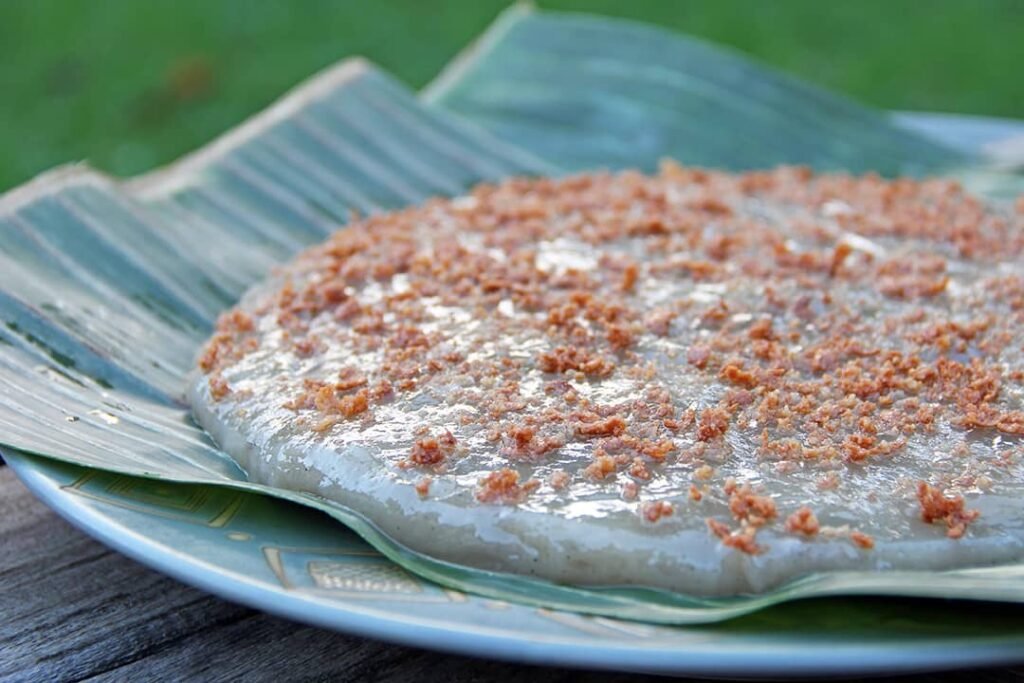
(502, 486)
(422, 486)
(937, 507)
(824, 337)
(219, 387)
(803, 522)
(655, 510)
(742, 539)
(749, 508)
(431, 451)
(862, 540)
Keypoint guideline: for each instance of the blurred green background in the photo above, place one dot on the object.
(131, 84)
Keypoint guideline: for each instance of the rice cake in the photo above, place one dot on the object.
(699, 381)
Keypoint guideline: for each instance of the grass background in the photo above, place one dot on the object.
(130, 84)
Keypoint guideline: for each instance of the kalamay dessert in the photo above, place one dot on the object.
(699, 381)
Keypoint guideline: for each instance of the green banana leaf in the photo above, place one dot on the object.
(587, 91)
(109, 287)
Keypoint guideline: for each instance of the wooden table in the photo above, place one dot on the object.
(72, 610)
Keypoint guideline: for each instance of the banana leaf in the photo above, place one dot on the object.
(587, 91)
(109, 287)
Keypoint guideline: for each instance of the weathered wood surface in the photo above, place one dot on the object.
(72, 610)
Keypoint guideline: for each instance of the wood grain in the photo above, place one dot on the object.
(72, 610)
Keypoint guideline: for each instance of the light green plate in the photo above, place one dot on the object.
(109, 288)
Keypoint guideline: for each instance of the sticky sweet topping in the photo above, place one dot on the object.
(624, 336)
